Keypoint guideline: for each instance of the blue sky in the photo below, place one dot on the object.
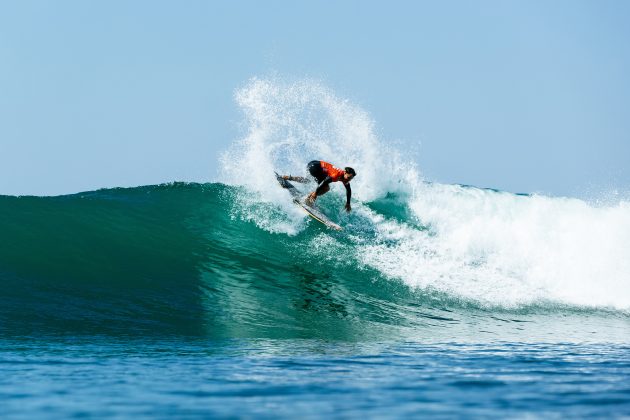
(525, 96)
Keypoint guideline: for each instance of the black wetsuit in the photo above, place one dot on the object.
(315, 169)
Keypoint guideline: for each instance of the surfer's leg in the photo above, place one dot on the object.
(313, 196)
(295, 178)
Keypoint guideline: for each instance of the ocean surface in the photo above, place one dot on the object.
(224, 299)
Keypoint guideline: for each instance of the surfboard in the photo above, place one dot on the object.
(311, 210)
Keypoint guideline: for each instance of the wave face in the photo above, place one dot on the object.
(238, 259)
(172, 259)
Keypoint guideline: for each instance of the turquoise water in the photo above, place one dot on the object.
(189, 300)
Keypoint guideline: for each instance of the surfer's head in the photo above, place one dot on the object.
(349, 173)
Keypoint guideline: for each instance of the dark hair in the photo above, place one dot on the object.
(350, 171)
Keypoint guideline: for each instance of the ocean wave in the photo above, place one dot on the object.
(177, 259)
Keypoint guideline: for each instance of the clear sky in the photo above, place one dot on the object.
(524, 96)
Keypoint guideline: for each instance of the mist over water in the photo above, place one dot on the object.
(494, 248)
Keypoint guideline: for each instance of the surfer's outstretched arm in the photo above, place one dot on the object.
(348, 195)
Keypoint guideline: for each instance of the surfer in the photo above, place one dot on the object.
(325, 173)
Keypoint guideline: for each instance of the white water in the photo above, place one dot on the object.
(491, 247)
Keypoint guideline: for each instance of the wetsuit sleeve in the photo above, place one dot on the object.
(321, 186)
(348, 192)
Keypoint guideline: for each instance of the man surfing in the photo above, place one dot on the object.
(325, 173)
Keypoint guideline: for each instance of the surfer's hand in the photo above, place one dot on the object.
(348, 208)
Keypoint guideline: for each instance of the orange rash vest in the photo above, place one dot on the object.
(332, 171)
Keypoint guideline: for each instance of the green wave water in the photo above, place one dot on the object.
(171, 259)
(178, 259)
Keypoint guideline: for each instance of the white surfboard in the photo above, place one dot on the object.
(311, 210)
